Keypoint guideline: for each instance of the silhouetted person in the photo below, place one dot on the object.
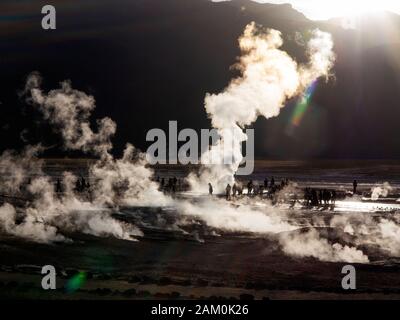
(307, 196)
(174, 183)
(83, 184)
(333, 196)
(58, 186)
(256, 189)
(355, 186)
(228, 192)
(162, 183)
(210, 189)
(314, 197)
(326, 196)
(272, 182)
(266, 183)
(78, 185)
(249, 187)
(234, 190)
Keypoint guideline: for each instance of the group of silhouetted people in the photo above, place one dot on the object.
(172, 185)
(312, 196)
(270, 186)
(252, 189)
(319, 197)
(81, 185)
(235, 190)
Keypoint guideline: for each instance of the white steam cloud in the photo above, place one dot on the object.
(115, 182)
(243, 218)
(310, 244)
(269, 76)
(69, 111)
(380, 191)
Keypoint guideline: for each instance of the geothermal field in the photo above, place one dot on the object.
(117, 222)
(195, 246)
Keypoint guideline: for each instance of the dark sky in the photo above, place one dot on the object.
(150, 61)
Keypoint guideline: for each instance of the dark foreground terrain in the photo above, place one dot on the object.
(226, 267)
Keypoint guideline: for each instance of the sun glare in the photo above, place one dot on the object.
(327, 9)
(358, 8)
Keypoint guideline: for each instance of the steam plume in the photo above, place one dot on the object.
(116, 182)
(380, 191)
(269, 76)
(69, 110)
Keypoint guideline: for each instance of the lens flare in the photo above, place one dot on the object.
(76, 282)
(302, 105)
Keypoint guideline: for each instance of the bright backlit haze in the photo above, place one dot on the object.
(327, 9)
